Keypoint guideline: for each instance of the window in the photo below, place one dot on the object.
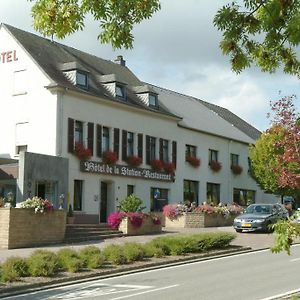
(190, 191)
(213, 193)
(153, 100)
(159, 198)
(190, 151)
(46, 190)
(81, 79)
(130, 143)
(78, 191)
(20, 82)
(243, 197)
(152, 148)
(213, 155)
(105, 139)
(78, 137)
(165, 150)
(130, 189)
(234, 159)
(120, 91)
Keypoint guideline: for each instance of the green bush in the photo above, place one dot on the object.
(161, 243)
(14, 268)
(131, 204)
(69, 260)
(114, 254)
(151, 250)
(92, 257)
(43, 263)
(133, 252)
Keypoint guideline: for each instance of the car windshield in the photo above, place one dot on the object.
(259, 209)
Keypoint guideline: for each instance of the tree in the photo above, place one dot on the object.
(264, 161)
(276, 164)
(261, 32)
(116, 17)
(276, 155)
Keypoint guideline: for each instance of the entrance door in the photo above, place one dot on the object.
(103, 203)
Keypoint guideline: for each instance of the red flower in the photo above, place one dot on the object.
(236, 169)
(193, 161)
(81, 152)
(110, 157)
(169, 167)
(134, 161)
(157, 164)
(215, 165)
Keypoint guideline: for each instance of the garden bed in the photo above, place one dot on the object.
(199, 220)
(20, 227)
(147, 227)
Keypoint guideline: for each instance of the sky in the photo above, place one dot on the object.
(178, 49)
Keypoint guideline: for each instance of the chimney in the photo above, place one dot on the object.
(120, 61)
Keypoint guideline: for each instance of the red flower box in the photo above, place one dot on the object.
(169, 167)
(134, 161)
(236, 169)
(81, 152)
(193, 161)
(110, 157)
(157, 165)
(215, 165)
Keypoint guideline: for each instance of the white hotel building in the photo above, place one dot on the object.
(54, 96)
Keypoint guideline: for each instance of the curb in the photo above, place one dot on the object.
(81, 278)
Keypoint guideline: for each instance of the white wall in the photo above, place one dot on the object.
(34, 105)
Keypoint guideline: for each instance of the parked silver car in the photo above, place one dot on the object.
(258, 217)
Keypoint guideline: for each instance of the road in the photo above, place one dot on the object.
(255, 275)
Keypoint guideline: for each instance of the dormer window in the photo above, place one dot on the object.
(153, 100)
(120, 91)
(81, 79)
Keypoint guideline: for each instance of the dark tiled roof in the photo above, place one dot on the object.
(52, 57)
(233, 119)
(224, 113)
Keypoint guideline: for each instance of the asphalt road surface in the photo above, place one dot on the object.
(255, 275)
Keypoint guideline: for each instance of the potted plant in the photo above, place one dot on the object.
(81, 152)
(236, 169)
(215, 165)
(193, 161)
(169, 168)
(70, 215)
(134, 160)
(110, 157)
(157, 164)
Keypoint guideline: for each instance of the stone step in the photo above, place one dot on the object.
(92, 238)
(91, 233)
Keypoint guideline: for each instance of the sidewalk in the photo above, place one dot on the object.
(254, 240)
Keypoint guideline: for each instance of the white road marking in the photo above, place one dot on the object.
(281, 295)
(295, 259)
(146, 292)
(98, 289)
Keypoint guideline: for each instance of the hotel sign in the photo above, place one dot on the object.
(124, 171)
(8, 56)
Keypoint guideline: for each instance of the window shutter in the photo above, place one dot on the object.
(124, 145)
(99, 140)
(174, 153)
(140, 145)
(148, 150)
(116, 140)
(161, 155)
(90, 139)
(70, 135)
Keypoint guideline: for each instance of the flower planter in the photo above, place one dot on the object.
(199, 220)
(21, 227)
(147, 227)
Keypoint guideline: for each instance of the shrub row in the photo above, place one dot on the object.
(46, 263)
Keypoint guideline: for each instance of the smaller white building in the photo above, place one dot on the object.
(109, 131)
